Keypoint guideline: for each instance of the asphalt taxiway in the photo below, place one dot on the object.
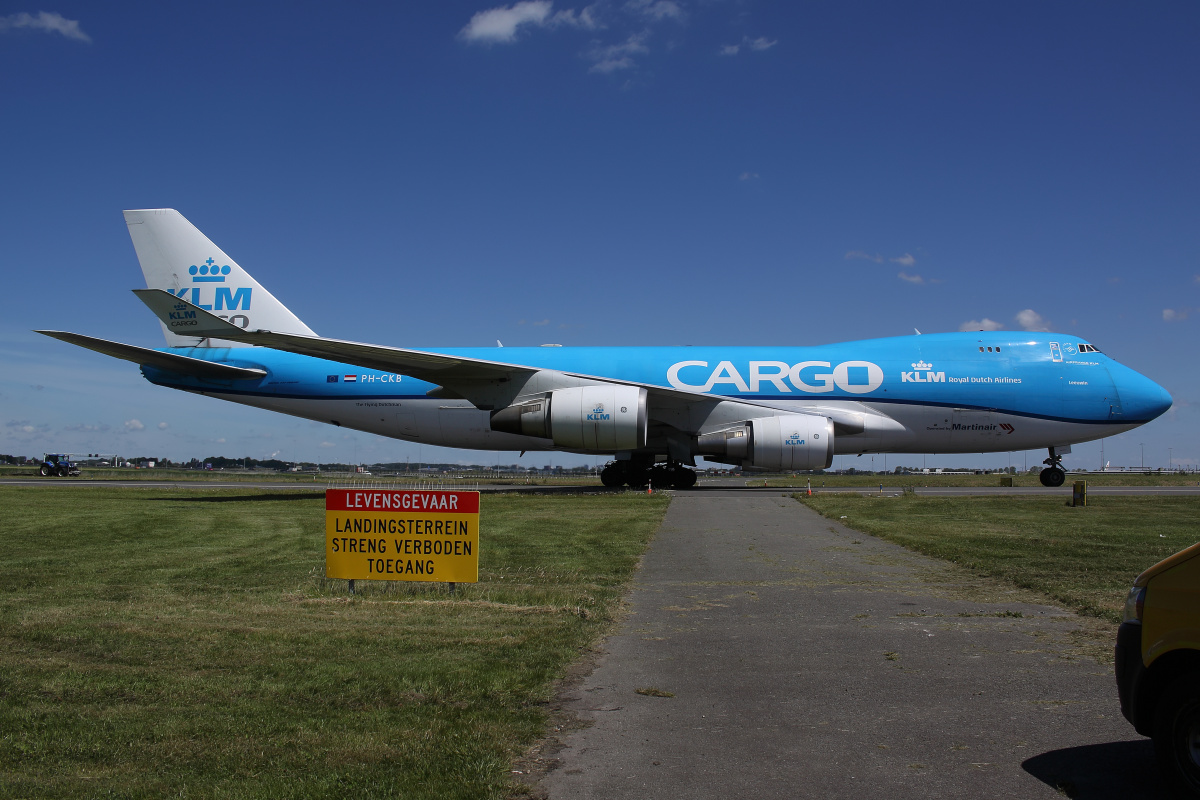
(772, 653)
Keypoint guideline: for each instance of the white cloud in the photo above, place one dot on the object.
(327, 445)
(542, 322)
(657, 10)
(984, 324)
(748, 176)
(501, 24)
(758, 45)
(905, 260)
(134, 425)
(1175, 314)
(904, 276)
(45, 21)
(618, 56)
(570, 18)
(85, 428)
(1030, 320)
(221, 440)
(162, 426)
(853, 254)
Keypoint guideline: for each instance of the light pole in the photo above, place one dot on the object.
(1170, 458)
(1143, 446)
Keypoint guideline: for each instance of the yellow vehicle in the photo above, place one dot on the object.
(1158, 664)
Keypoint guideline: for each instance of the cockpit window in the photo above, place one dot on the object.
(1088, 348)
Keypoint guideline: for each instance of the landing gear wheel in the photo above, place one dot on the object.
(1176, 734)
(1052, 477)
(46, 471)
(684, 479)
(612, 476)
(637, 478)
(63, 472)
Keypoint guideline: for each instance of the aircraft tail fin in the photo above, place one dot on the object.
(177, 257)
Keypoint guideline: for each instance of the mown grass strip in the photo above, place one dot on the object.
(159, 642)
(1083, 558)
(934, 479)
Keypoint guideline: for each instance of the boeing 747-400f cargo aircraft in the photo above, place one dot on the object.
(654, 409)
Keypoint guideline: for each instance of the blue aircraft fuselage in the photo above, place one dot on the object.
(1004, 385)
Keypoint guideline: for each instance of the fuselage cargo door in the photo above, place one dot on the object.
(1089, 394)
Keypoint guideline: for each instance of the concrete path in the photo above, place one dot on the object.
(808, 660)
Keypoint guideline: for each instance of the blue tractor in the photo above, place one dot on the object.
(59, 464)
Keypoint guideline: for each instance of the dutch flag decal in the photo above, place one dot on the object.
(350, 378)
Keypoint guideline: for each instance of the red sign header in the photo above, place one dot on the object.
(401, 500)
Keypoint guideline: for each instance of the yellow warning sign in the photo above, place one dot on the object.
(402, 535)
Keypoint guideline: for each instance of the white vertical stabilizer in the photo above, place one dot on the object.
(177, 257)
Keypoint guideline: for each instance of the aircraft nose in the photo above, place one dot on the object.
(1141, 398)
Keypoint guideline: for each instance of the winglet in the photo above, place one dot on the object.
(185, 319)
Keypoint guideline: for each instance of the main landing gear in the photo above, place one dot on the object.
(1053, 475)
(637, 475)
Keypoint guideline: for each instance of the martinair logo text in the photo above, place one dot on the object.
(853, 377)
(597, 414)
(922, 373)
(223, 298)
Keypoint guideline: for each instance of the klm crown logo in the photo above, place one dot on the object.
(922, 373)
(597, 414)
(221, 298)
(209, 272)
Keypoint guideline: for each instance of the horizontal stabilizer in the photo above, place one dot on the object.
(156, 358)
(183, 318)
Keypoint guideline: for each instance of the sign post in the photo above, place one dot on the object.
(402, 535)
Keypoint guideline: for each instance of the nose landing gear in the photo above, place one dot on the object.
(1053, 475)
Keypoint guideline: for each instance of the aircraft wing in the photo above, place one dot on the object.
(156, 358)
(461, 375)
(179, 316)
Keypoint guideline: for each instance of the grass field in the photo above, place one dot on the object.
(933, 479)
(1083, 558)
(164, 643)
(168, 475)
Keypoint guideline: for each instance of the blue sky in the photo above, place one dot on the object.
(620, 173)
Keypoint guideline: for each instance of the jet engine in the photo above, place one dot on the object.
(600, 417)
(785, 442)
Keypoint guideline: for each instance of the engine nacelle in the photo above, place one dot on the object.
(785, 442)
(600, 417)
